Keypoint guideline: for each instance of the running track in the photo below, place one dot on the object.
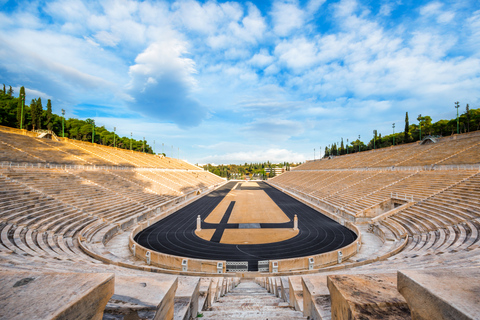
(175, 234)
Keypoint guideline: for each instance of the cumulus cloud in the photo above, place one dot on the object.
(287, 17)
(161, 84)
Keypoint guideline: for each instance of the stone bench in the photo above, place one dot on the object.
(372, 296)
(34, 295)
(441, 293)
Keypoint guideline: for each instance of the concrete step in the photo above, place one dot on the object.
(257, 315)
(250, 301)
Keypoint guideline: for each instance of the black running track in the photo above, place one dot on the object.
(175, 234)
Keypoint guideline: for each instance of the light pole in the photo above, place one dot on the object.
(457, 105)
(114, 136)
(374, 138)
(393, 126)
(131, 141)
(21, 113)
(143, 144)
(93, 130)
(358, 143)
(420, 125)
(162, 148)
(313, 154)
(153, 146)
(347, 146)
(63, 126)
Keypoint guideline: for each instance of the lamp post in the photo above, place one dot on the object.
(114, 136)
(93, 131)
(457, 105)
(63, 126)
(21, 113)
(374, 138)
(393, 126)
(131, 141)
(347, 146)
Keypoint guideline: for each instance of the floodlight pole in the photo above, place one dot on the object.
(358, 143)
(162, 148)
(393, 126)
(93, 130)
(143, 144)
(347, 146)
(63, 126)
(457, 105)
(313, 154)
(114, 136)
(131, 133)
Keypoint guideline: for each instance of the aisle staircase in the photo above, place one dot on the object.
(250, 301)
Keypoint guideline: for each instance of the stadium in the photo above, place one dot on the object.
(240, 159)
(390, 233)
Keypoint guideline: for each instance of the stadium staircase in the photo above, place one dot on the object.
(248, 300)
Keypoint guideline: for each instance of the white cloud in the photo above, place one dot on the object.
(272, 155)
(261, 59)
(287, 17)
(162, 81)
(297, 53)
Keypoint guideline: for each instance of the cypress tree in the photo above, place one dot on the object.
(407, 129)
(49, 115)
(10, 91)
(39, 111)
(21, 98)
(468, 118)
(4, 91)
(33, 113)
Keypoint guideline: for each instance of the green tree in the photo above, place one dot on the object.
(10, 91)
(20, 107)
(39, 114)
(49, 115)
(468, 117)
(407, 129)
(4, 92)
(33, 112)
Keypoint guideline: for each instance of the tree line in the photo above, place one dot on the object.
(467, 122)
(35, 117)
(234, 171)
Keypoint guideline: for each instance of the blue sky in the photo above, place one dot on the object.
(233, 82)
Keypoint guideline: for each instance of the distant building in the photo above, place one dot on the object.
(277, 171)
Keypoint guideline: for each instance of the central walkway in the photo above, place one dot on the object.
(250, 301)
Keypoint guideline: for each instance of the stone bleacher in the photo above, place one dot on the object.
(58, 200)
(58, 224)
(434, 227)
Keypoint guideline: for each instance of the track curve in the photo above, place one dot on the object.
(175, 235)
